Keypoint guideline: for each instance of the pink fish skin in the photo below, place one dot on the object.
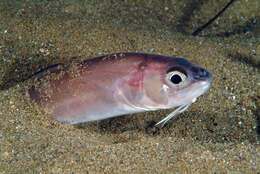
(117, 84)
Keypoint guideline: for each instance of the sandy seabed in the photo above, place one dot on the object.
(217, 134)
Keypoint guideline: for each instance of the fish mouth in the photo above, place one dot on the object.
(188, 97)
(202, 79)
(200, 84)
(190, 94)
(200, 87)
(205, 85)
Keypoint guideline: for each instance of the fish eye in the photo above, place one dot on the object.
(175, 77)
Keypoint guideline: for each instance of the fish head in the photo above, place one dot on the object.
(171, 82)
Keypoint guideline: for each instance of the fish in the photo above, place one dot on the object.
(118, 84)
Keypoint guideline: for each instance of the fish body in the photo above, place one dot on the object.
(117, 84)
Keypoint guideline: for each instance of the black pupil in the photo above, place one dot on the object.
(176, 79)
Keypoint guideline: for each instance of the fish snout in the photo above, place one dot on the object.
(201, 74)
